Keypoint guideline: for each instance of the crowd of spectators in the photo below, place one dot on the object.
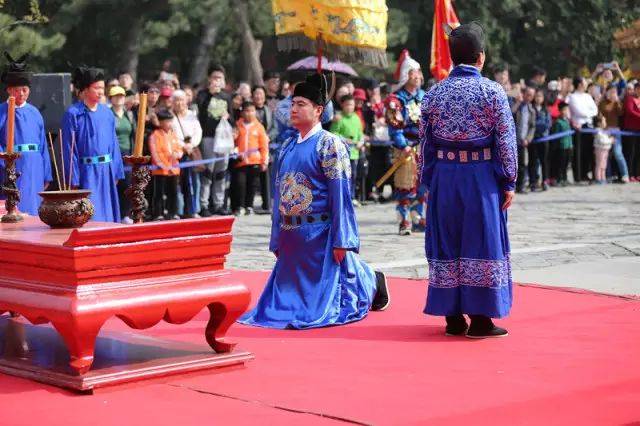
(568, 132)
(587, 126)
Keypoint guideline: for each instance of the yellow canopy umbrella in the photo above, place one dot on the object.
(348, 30)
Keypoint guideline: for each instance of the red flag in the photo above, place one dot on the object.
(440, 56)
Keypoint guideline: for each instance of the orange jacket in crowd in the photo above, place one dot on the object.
(166, 151)
(252, 137)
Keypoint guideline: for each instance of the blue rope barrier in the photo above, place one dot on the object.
(559, 135)
(186, 164)
(553, 136)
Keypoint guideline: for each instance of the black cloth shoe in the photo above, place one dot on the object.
(404, 228)
(381, 300)
(205, 213)
(482, 328)
(456, 325)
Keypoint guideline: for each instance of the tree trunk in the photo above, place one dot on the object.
(250, 46)
(198, 71)
(131, 51)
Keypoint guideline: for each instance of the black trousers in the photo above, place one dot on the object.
(554, 159)
(583, 159)
(631, 152)
(165, 196)
(265, 188)
(379, 163)
(564, 157)
(123, 184)
(522, 167)
(243, 186)
(538, 155)
(187, 186)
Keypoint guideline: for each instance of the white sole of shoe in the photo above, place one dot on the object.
(487, 337)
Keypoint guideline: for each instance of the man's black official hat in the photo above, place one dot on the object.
(15, 73)
(466, 42)
(84, 77)
(313, 88)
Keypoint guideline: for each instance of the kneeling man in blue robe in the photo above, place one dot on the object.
(318, 279)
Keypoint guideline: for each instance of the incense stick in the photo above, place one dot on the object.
(73, 146)
(64, 178)
(55, 162)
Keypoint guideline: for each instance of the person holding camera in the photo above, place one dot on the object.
(188, 130)
(609, 74)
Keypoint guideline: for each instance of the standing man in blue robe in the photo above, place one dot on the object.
(403, 131)
(97, 162)
(318, 279)
(469, 165)
(34, 164)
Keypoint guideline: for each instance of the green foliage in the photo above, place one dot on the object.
(397, 28)
(23, 29)
(562, 36)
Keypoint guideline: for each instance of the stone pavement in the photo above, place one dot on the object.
(586, 237)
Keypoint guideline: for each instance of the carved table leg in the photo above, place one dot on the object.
(80, 340)
(222, 317)
(16, 344)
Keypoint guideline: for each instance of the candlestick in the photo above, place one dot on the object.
(9, 187)
(142, 114)
(140, 178)
(11, 123)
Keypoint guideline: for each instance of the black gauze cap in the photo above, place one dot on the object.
(84, 77)
(313, 88)
(15, 73)
(465, 43)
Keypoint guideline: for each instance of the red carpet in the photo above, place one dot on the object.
(571, 359)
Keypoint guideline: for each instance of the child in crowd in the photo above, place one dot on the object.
(563, 146)
(349, 127)
(166, 151)
(252, 144)
(539, 151)
(602, 142)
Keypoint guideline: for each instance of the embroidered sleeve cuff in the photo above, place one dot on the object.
(509, 186)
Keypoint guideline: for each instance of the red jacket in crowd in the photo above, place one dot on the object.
(632, 113)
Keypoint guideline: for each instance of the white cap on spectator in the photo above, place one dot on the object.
(553, 85)
(178, 94)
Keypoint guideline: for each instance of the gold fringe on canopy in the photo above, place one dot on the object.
(349, 30)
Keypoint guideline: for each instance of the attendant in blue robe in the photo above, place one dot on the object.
(469, 165)
(34, 165)
(318, 279)
(97, 162)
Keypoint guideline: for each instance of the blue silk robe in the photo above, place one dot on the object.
(34, 164)
(95, 134)
(469, 160)
(307, 288)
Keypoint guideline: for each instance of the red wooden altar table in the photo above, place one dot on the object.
(142, 274)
